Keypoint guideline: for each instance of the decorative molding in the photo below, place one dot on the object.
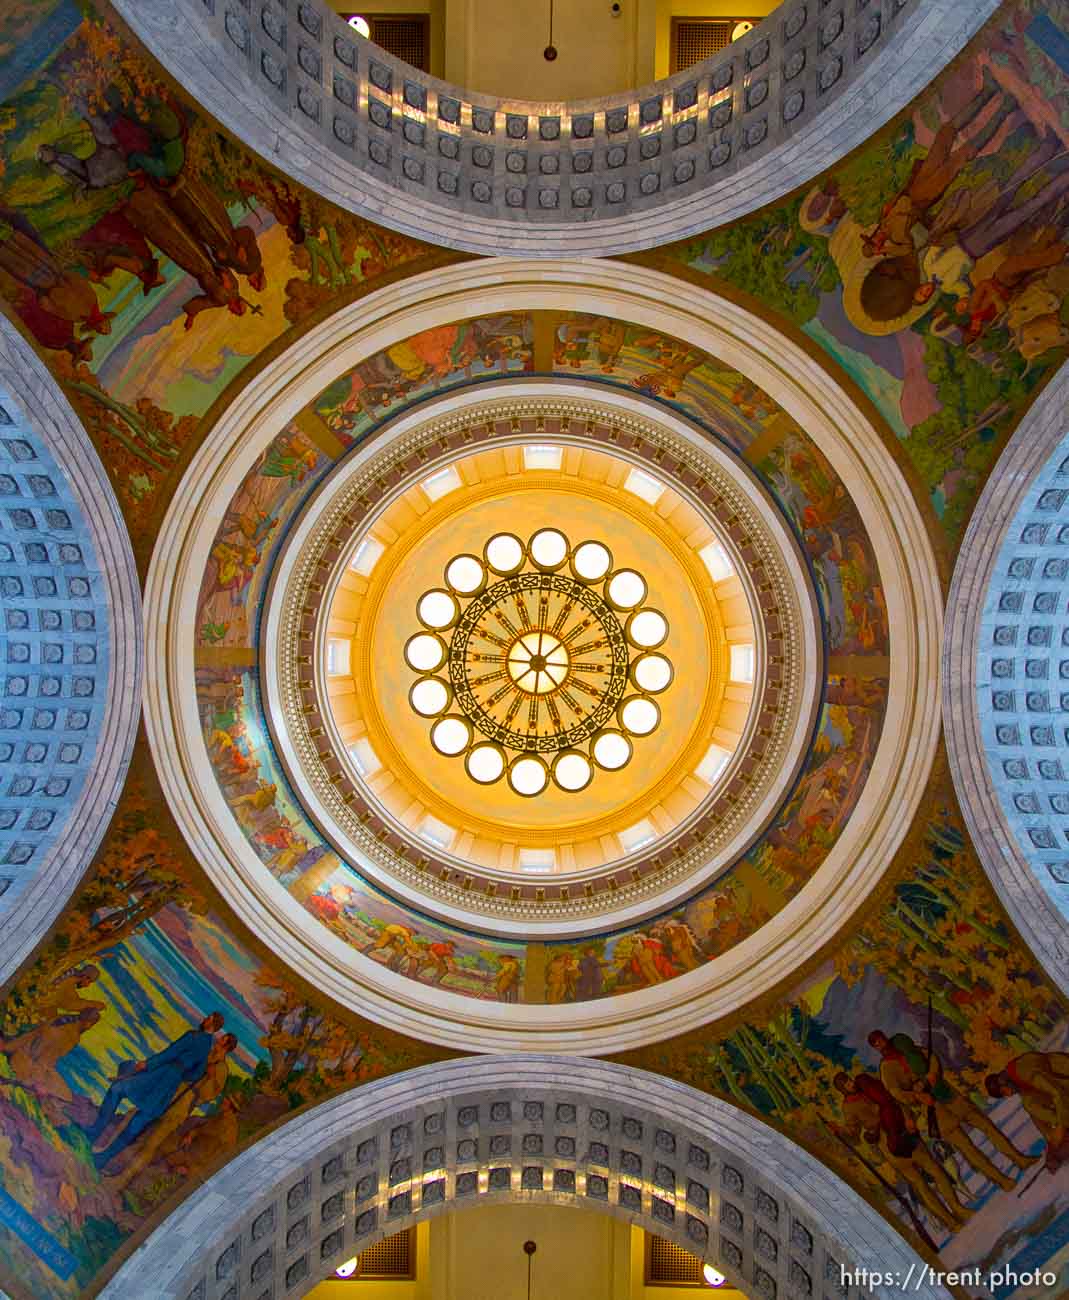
(1006, 660)
(718, 485)
(280, 1217)
(72, 727)
(605, 176)
(909, 579)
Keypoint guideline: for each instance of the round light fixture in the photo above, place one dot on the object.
(465, 575)
(548, 549)
(505, 554)
(712, 1276)
(424, 652)
(348, 1268)
(430, 697)
(626, 589)
(591, 561)
(361, 26)
(546, 680)
(437, 610)
(528, 775)
(485, 763)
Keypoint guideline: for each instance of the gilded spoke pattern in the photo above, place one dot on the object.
(538, 662)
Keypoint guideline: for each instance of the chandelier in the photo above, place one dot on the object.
(538, 662)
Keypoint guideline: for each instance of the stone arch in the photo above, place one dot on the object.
(392, 144)
(527, 1128)
(1004, 663)
(72, 624)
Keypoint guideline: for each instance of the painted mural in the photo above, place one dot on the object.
(933, 265)
(927, 1061)
(269, 811)
(148, 257)
(144, 1045)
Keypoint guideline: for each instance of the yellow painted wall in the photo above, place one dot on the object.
(496, 47)
(478, 1254)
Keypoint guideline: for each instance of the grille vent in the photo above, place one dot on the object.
(670, 1265)
(695, 39)
(405, 36)
(390, 1260)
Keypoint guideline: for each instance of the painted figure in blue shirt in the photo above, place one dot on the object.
(152, 1085)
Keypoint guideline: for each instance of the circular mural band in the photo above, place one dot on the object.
(341, 652)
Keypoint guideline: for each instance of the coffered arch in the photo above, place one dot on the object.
(501, 1129)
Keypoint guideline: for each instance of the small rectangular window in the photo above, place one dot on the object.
(716, 560)
(535, 860)
(537, 456)
(742, 662)
(366, 556)
(439, 485)
(644, 486)
(635, 837)
(337, 657)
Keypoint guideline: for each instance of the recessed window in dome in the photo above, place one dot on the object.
(543, 675)
(364, 758)
(716, 560)
(441, 484)
(742, 662)
(366, 556)
(644, 486)
(538, 456)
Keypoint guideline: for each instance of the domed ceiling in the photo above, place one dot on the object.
(335, 569)
(779, 426)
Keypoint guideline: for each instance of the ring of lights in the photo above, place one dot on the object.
(538, 638)
(339, 800)
(793, 378)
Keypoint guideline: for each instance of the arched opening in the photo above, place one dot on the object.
(527, 1130)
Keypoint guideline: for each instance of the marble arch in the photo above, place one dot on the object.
(691, 1168)
(1009, 532)
(847, 438)
(112, 610)
(844, 76)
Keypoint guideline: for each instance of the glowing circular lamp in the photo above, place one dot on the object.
(348, 1268)
(651, 673)
(362, 28)
(424, 652)
(638, 715)
(611, 750)
(465, 575)
(713, 1276)
(528, 776)
(572, 771)
(451, 735)
(430, 697)
(646, 628)
(485, 763)
(548, 549)
(437, 609)
(504, 554)
(591, 561)
(626, 589)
